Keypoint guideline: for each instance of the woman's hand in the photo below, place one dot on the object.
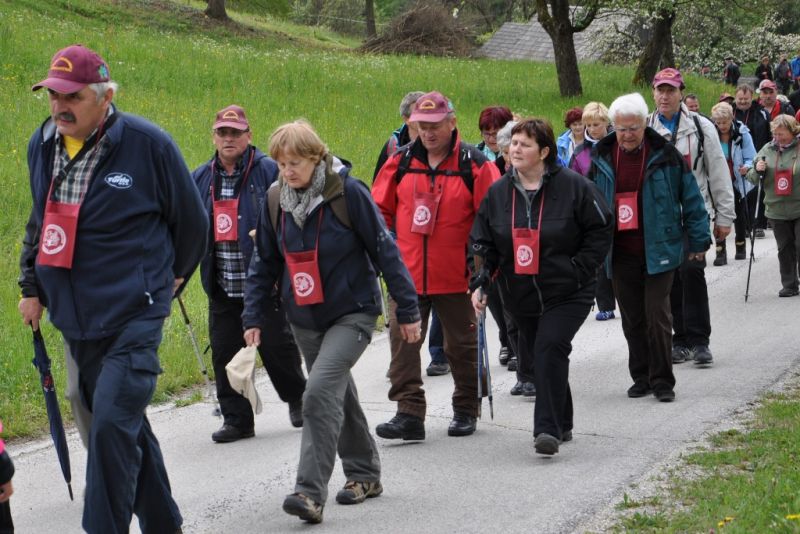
(761, 165)
(412, 332)
(5, 491)
(478, 301)
(252, 336)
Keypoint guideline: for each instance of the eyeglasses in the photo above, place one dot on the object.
(631, 129)
(486, 134)
(230, 132)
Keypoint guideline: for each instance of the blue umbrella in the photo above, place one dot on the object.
(42, 362)
(483, 362)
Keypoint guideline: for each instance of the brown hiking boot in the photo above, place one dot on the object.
(303, 507)
(357, 492)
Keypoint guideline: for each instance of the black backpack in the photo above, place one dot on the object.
(466, 155)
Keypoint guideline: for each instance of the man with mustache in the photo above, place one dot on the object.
(115, 227)
(233, 184)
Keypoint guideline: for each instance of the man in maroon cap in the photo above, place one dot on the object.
(115, 227)
(768, 98)
(429, 193)
(697, 140)
(233, 184)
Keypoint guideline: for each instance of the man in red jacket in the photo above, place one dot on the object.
(430, 193)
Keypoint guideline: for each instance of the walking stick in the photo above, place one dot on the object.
(483, 360)
(384, 301)
(753, 232)
(203, 370)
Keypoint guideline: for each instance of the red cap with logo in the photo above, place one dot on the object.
(73, 68)
(431, 107)
(231, 117)
(669, 76)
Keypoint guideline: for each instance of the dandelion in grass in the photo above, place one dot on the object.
(725, 521)
(793, 517)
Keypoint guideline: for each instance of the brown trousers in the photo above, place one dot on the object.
(460, 346)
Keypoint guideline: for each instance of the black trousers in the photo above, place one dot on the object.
(278, 353)
(646, 322)
(691, 316)
(495, 304)
(6, 523)
(605, 292)
(547, 341)
(745, 210)
(787, 237)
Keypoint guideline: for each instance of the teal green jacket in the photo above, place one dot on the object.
(671, 201)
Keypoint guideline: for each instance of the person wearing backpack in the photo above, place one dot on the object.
(696, 139)
(429, 193)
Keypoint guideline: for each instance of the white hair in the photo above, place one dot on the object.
(407, 104)
(504, 134)
(101, 88)
(630, 105)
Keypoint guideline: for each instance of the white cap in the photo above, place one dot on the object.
(241, 372)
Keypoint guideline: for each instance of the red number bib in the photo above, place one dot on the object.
(304, 270)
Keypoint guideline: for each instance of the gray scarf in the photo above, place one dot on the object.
(297, 201)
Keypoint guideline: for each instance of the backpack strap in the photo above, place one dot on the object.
(700, 142)
(338, 205)
(466, 155)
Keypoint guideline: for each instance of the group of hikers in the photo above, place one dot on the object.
(621, 208)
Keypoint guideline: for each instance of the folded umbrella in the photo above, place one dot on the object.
(42, 363)
(484, 373)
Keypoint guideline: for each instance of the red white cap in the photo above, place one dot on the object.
(73, 68)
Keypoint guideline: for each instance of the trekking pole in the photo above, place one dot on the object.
(483, 360)
(203, 370)
(753, 231)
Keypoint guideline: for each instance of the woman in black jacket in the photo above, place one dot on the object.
(543, 230)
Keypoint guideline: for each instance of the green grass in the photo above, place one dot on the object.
(177, 68)
(748, 481)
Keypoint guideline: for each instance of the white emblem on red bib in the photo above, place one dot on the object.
(524, 255)
(55, 239)
(783, 184)
(303, 284)
(422, 215)
(625, 213)
(224, 223)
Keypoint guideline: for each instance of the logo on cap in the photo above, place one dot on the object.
(422, 215)
(426, 104)
(224, 223)
(625, 214)
(230, 115)
(524, 255)
(303, 284)
(55, 239)
(61, 63)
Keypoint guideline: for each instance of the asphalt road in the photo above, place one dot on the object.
(489, 482)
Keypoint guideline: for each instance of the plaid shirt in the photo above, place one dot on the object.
(229, 259)
(74, 186)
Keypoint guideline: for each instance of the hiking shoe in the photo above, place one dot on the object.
(462, 425)
(357, 492)
(528, 389)
(680, 354)
(566, 436)
(545, 444)
(402, 426)
(788, 292)
(664, 394)
(517, 389)
(504, 356)
(741, 251)
(229, 433)
(639, 389)
(438, 369)
(702, 355)
(296, 413)
(512, 363)
(303, 507)
(760, 233)
(605, 315)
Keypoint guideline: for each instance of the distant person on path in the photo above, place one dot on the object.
(430, 193)
(122, 225)
(6, 488)
(731, 73)
(783, 75)
(572, 138)
(320, 238)
(545, 252)
(795, 64)
(764, 70)
(696, 139)
(233, 185)
(661, 221)
(778, 161)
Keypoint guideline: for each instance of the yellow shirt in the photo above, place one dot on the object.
(72, 145)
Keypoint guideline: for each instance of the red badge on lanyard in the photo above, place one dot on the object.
(525, 241)
(627, 203)
(226, 212)
(304, 269)
(783, 178)
(426, 207)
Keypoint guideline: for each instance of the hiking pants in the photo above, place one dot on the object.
(691, 315)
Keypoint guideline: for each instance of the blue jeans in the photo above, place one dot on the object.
(436, 340)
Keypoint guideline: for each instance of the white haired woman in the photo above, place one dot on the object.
(655, 197)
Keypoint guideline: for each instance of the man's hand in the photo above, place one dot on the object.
(721, 232)
(6, 490)
(478, 301)
(697, 256)
(412, 332)
(252, 336)
(31, 310)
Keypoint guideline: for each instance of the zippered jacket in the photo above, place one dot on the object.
(671, 201)
(438, 262)
(785, 208)
(141, 225)
(742, 154)
(347, 258)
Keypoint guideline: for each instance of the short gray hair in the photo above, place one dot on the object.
(101, 88)
(630, 105)
(722, 111)
(407, 104)
(504, 135)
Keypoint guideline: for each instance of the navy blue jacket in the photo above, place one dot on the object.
(263, 172)
(346, 257)
(141, 225)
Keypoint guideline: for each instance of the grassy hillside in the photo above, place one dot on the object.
(177, 68)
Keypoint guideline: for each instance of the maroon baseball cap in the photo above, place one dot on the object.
(669, 76)
(232, 117)
(431, 107)
(73, 68)
(767, 84)
(724, 97)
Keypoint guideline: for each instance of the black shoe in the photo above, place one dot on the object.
(787, 292)
(512, 363)
(438, 369)
(566, 436)
(462, 425)
(664, 394)
(229, 433)
(517, 389)
(680, 354)
(528, 389)
(504, 356)
(722, 255)
(545, 444)
(402, 426)
(639, 389)
(303, 507)
(702, 355)
(296, 413)
(741, 251)
(760, 233)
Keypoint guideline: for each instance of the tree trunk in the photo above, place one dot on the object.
(317, 7)
(369, 14)
(569, 77)
(216, 10)
(658, 45)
